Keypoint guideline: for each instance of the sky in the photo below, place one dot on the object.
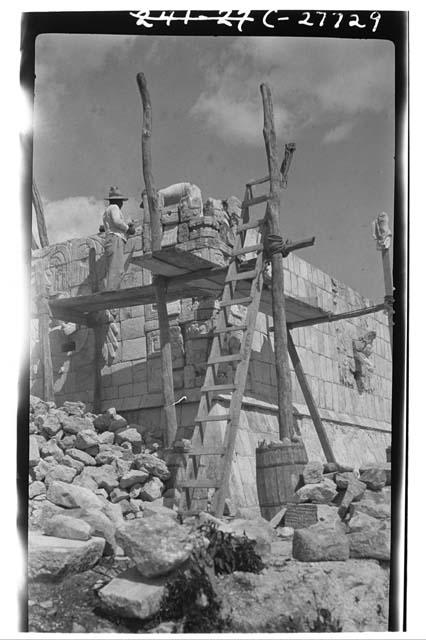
(333, 97)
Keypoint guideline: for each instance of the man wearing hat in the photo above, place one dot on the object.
(116, 231)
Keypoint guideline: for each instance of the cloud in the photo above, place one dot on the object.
(339, 133)
(314, 82)
(78, 217)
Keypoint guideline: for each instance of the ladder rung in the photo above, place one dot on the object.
(206, 451)
(253, 247)
(258, 181)
(200, 484)
(229, 303)
(234, 327)
(255, 200)
(230, 386)
(215, 418)
(234, 357)
(243, 275)
(250, 225)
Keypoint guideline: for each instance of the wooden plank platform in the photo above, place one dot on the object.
(79, 308)
(172, 261)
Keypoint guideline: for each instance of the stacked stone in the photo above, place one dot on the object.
(189, 223)
(101, 454)
(353, 513)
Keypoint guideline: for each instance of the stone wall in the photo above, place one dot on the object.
(347, 365)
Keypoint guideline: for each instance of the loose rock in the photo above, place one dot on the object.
(312, 473)
(374, 477)
(322, 492)
(50, 557)
(70, 495)
(156, 544)
(34, 455)
(152, 465)
(131, 596)
(82, 456)
(66, 527)
(319, 543)
(133, 477)
(152, 490)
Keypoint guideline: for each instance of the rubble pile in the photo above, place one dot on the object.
(340, 513)
(95, 468)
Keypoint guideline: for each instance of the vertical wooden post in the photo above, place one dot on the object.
(387, 274)
(309, 399)
(383, 237)
(41, 222)
(43, 313)
(285, 408)
(159, 282)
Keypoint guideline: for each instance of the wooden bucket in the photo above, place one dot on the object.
(278, 473)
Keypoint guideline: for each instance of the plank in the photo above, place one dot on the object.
(218, 387)
(249, 249)
(243, 275)
(204, 483)
(229, 303)
(256, 200)
(216, 418)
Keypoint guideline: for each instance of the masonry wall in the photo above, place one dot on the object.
(356, 409)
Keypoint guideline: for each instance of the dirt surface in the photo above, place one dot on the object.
(71, 605)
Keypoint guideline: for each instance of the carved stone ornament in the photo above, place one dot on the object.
(381, 231)
(364, 366)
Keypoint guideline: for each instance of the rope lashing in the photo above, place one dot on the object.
(276, 244)
(389, 300)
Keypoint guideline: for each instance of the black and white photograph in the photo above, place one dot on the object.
(211, 428)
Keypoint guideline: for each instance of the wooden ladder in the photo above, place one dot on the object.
(194, 480)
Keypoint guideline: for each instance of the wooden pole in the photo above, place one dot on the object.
(159, 283)
(310, 402)
(41, 222)
(43, 313)
(387, 274)
(335, 317)
(285, 407)
(383, 237)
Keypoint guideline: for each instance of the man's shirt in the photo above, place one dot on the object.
(113, 221)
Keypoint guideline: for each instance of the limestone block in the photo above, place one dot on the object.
(170, 235)
(320, 542)
(134, 349)
(51, 557)
(156, 544)
(131, 596)
(62, 526)
(132, 328)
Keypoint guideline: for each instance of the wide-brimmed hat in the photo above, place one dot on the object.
(115, 194)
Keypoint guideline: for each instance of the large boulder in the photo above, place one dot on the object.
(50, 557)
(100, 526)
(319, 493)
(156, 544)
(131, 596)
(61, 526)
(70, 495)
(368, 537)
(373, 476)
(153, 465)
(86, 439)
(379, 510)
(320, 542)
(355, 592)
(312, 473)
